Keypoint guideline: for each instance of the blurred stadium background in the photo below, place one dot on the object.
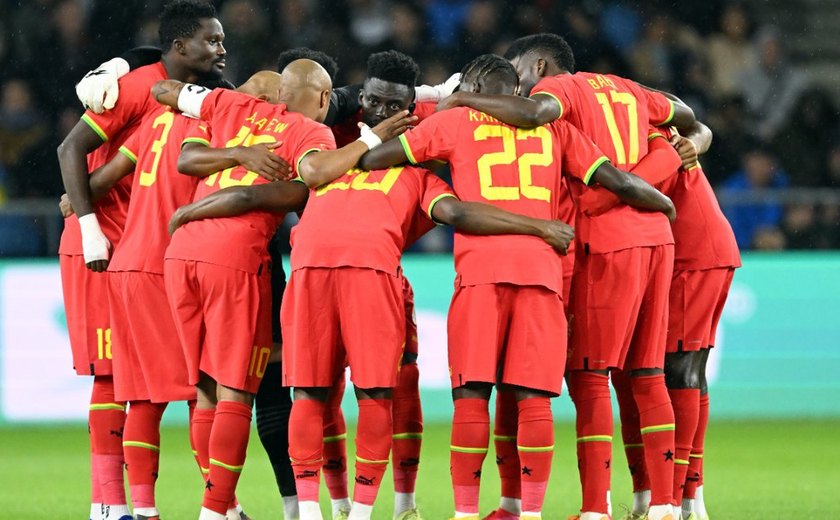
(763, 74)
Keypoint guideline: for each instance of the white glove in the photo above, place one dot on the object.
(95, 245)
(435, 93)
(369, 137)
(99, 89)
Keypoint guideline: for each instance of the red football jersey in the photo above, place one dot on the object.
(347, 131)
(114, 127)
(157, 190)
(236, 119)
(365, 219)
(615, 113)
(703, 238)
(512, 168)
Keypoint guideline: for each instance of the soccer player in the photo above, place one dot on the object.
(620, 318)
(512, 282)
(192, 38)
(227, 352)
(389, 87)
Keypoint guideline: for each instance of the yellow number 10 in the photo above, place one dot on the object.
(148, 178)
(243, 138)
(507, 156)
(623, 98)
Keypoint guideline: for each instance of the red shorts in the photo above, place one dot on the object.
(696, 303)
(619, 309)
(88, 316)
(411, 343)
(332, 317)
(149, 364)
(510, 334)
(223, 319)
(568, 262)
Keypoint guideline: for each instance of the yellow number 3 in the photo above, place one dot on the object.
(165, 119)
(508, 155)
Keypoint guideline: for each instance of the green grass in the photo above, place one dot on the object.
(755, 470)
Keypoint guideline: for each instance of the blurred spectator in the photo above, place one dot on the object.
(297, 27)
(771, 86)
(370, 21)
(592, 53)
(444, 17)
(408, 30)
(769, 238)
(803, 144)
(22, 129)
(479, 33)
(800, 227)
(732, 135)
(729, 50)
(760, 171)
(621, 23)
(246, 30)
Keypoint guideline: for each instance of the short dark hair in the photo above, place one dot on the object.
(181, 19)
(554, 45)
(305, 53)
(487, 65)
(393, 67)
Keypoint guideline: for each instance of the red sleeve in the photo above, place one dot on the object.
(434, 138)
(197, 132)
(580, 156)
(661, 161)
(554, 86)
(131, 147)
(218, 102)
(314, 137)
(130, 105)
(424, 110)
(433, 190)
(660, 108)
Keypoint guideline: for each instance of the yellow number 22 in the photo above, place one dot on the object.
(508, 155)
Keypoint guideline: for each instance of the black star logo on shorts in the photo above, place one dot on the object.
(526, 470)
(607, 464)
(500, 460)
(209, 486)
(669, 455)
(477, 474)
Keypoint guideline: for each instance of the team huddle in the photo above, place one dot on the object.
(570, 264)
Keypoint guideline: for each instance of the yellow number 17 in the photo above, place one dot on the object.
(623, 98)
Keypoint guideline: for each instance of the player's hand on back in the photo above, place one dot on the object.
(558, 235)
(65, 206)
(99, 88)
(394, 125)
(261, 159)
(178, 219)
(450, 101)
(687, 150)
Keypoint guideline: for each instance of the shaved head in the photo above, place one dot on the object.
(265, 85)
(306, 88)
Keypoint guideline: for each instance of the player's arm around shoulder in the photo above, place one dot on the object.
(477, 218)
(633, 190)
(523, 112)
(275, 197)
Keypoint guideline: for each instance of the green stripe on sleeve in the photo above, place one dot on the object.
(95, 127)
(197, 140)
(128, 153)
(588, 177)
(407, 149)
(435, 201)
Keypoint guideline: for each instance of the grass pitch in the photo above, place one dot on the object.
(755, 470)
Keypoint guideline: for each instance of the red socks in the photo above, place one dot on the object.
(590, 392)
(468, 448)
(656, 418)
(631, 433)
(408, 429)
(373, 445)
(335, 445)
(201, 425)
(228, 443)
(141, 448)
(695, 461)
(106, 420)
(306, 446)
(536, 448)
(686, 404)
(504, 439)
